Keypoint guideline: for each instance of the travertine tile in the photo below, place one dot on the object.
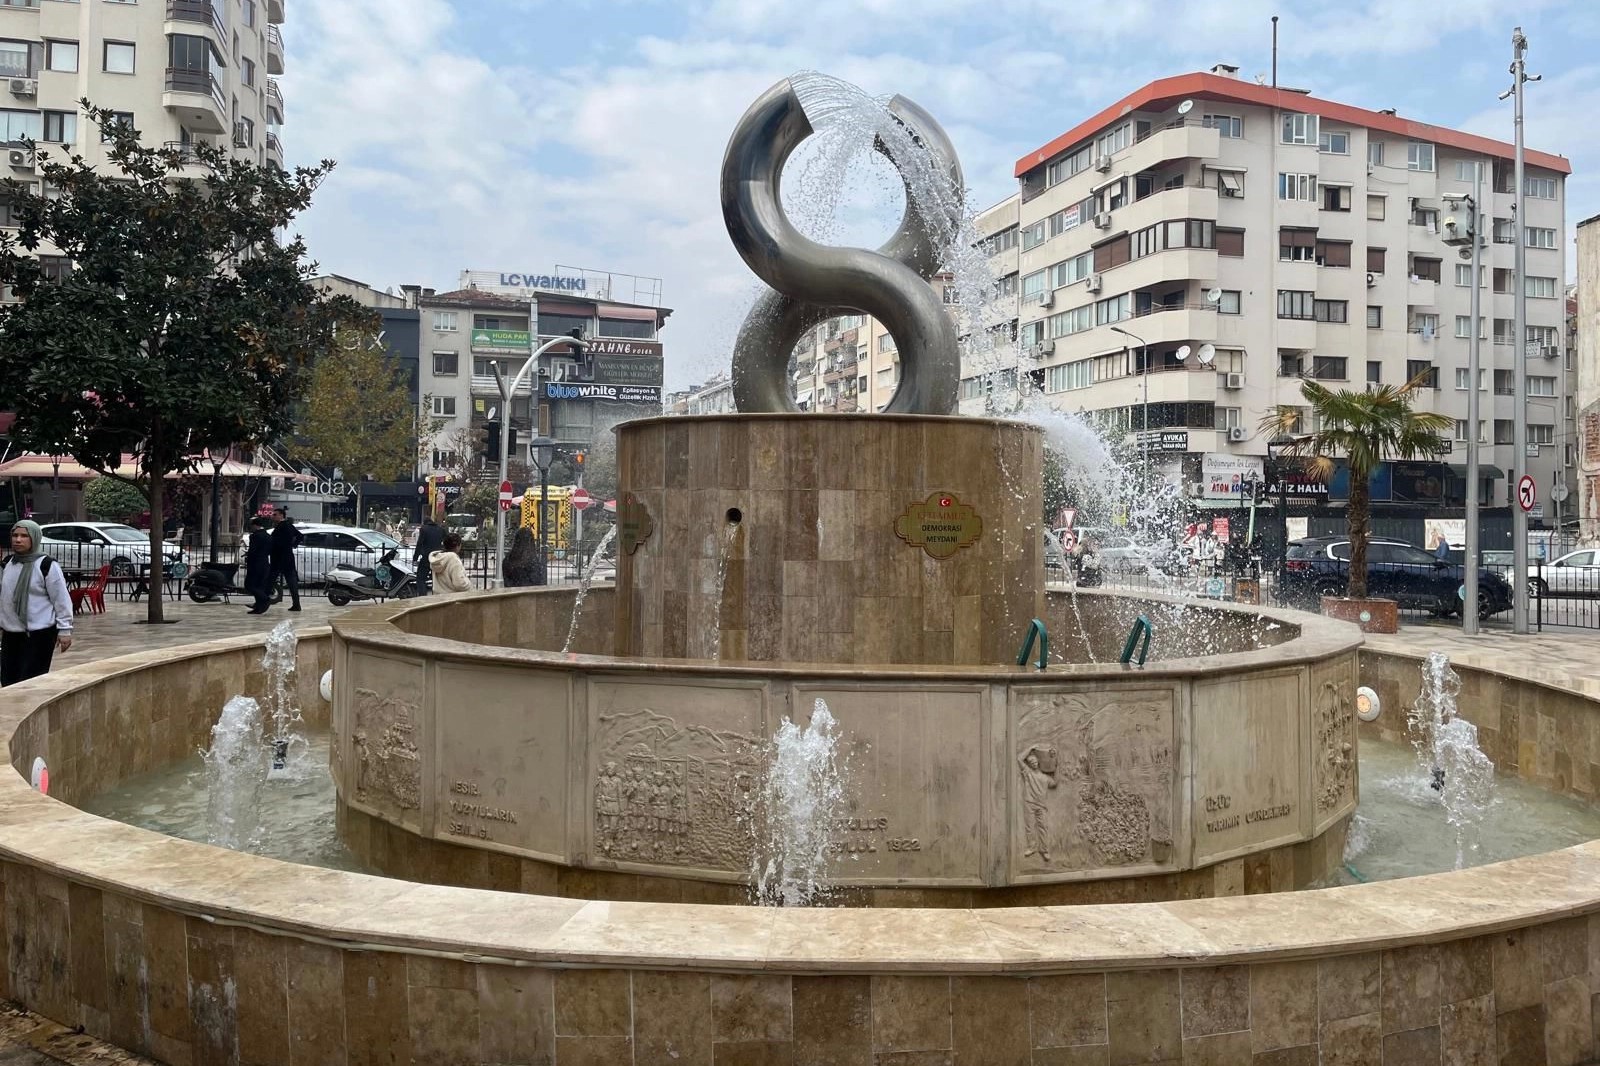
(753, 1053)
(671, 1018)
(1518, 970)
(990, 1019)
(751, 1008)
(1465, 969)
(1303, 1055)
(1568, 1026)
(1216, 999)
(1353, 1041)
(1067, 1009)
(1467, 1032)
(261, 973)
(911, 1014)
(1142, 1016)
(1347, 985)
(832, 1021)
(516, 1015)
(593, 1003)
(444, 1025)
(1520, 1035)
(1410, 988)
(593, 1050)
(1283, 1005)
(1081, 1055)
(1220, 1049)
(316, 1005)
(1565, 948)
(377, 1015)
(1414, 1047)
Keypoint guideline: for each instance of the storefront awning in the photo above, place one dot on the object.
(1487, 470)
(42, 467)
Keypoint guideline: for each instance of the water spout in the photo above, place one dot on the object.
(236, 771)
(1447, 751)
(283, 706)
(714, 638)
(802, 798)
(585, 578)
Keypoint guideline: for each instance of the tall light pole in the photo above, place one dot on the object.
(1144, 378)
(216, 457)
(1469, 583)
(1519, 331)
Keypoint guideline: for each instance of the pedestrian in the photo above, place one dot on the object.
(285, 539)
(447, 567)
(1441, 551)
(258, 565)
(430, 538)
(35, 609)
(524, 565)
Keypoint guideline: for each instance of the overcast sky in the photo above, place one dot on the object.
(513, 135)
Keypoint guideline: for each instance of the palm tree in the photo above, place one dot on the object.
(1364, 428)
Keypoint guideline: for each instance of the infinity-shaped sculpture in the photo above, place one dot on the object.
(815, 282)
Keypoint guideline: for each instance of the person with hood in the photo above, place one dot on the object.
(258, 565)
(447, 568)
(430, 538)
(524, 564)
(35, 608)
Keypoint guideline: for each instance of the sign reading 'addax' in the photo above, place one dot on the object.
(941, 525)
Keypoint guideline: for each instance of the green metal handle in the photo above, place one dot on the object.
(1036, 630)
(1138, 637)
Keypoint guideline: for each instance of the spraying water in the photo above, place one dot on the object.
(584, 580)
(236, 772)
(279, 662)
(714, 637)
(801, 799)
(1447, 751)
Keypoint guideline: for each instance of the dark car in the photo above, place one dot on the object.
(1320, 566)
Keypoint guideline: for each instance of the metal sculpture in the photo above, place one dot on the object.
(815, 282)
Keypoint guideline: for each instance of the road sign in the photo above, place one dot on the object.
(1525, 492)
(505, 494)
(506, 505)
(580, 499)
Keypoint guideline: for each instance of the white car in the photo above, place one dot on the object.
(326, 546)
(1576, 573)
(88, 546)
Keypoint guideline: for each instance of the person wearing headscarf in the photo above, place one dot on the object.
(523, 564)
(35, 609)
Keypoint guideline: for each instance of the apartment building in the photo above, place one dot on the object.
(181, 72)
(1185, 256)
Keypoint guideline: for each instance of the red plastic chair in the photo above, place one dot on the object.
(93, 594)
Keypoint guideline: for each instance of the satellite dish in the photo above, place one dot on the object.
(1182, 353)
(1214, 296)
(1186, 107)
(1208, 354)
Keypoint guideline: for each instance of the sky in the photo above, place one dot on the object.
(513, 135)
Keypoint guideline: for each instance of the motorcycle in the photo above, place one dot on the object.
(216, 581)
(389, 579)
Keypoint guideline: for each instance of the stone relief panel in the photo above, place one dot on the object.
(912, 759)
(1095, 780)
(1247, 745)
(1333, 740)
(386, 734)
(671, 772)
(501, 775)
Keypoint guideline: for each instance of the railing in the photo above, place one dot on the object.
(199, 82)
(206, 11)
(485, 383)
(275, 94)
(1156, 309)
(184, 149)
(274, 37)
(274, 145)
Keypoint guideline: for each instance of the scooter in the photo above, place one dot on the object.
(1089, 575)
(215, 581)
(347, 581)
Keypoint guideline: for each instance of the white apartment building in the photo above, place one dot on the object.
(179, 71)
(1289, 236)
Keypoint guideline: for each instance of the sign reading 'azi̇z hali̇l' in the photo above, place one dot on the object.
(941, 525)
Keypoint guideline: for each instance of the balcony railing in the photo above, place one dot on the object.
(274, 145)
(204, 11)
(200, 82)
(185, 150)
(275, 94)
(1156, 309)
(33, 4)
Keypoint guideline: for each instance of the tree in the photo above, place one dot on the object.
(108, 500)
(1364, 428)
(183, 321)
(358, 414)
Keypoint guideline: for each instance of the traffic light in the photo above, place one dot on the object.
(491, 442)
(511, 443)
(577, 458)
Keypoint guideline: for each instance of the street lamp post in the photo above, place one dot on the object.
(1144, 378)
(544, 453)
(1277, 448)
(216, 457)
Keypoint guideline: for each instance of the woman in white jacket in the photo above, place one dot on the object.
(35, 609)
(448, 573)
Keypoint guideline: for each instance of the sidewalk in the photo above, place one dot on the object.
(122, 629)
(1568, 660)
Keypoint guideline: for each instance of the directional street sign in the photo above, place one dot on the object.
(1525, 492)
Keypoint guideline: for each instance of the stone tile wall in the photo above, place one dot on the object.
(521, 618)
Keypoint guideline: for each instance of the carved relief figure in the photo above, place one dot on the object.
(388, 765)
(1335, 729)
(1036, 784)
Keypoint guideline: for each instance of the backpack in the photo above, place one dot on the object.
(44, 564)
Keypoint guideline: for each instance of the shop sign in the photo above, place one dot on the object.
(568, 390)
(627, 369)
(1224, 476)
(510, 341)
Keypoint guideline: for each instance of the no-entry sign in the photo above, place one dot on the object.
(581, 499)
(1525, 492)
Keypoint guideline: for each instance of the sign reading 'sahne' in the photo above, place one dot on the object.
(544, 281)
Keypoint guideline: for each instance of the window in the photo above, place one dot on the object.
(61, 55)
(1114, 141)
(1295, 304)
(1003, 241)
(249, 8)
(1543, 287)
(1111, 253)
(1331, 310)
(1504, 431)
(1033, 236)
(1069, 376)
(1466, 170)
(1375, 258)
(1540, 188)
(1421, 368)
(7, 218)
(60, 126)
(1329, 367)
(1539, 237)
(1375, 153)
(1505, 231)
(1070, 270)
(118, 57)
(18, 59)
(1464, 275)
(1425, 269)
(1229, 183)
(1334, 143)
(1064, 168)
(247, 71)
(1297, 245)
(1230, 242)
(1419, 156)
(15, 125)
(1502, 280)
(446, 364)
(1289, 365)
(1333, 253)
(1426, 217)
(1502, 331)
(1225, 125)
(1543, 336)
(885, 343)
(1299, 128)
(1113, 309)
(1374, 317)
(1464, 326)
(1461, 431)
(244, 133)
(1374, 372)
(444, 406)
(1297, 187)
(1336, 197)
(1006, 286)
(1541, 434)
(1375, 207)
(1425, 324)
(445, 321)
(1539, 385)
(1463, 376)
(1230, 417)
(1229, 303)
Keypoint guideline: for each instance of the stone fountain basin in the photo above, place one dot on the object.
(137, 936)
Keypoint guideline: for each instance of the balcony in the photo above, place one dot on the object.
(274, 148)
(1187, 201)
(274, 98)
(196, 99)
(198, 12)
(275, 11)
(274, 50)
(1180, 140)
(22, 5)
(1181, 324)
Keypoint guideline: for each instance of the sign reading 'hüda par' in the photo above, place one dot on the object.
(941, 525)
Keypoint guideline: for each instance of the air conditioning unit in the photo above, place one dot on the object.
(1103, 164)
(1102, 220)
(1047, 347)
(1096, 282)
(1550, 351)
(20, 158)
(24, 87)
(1233, 381)
(1047, 298)
(1372, 279)
(239, 138)
(1238, 434)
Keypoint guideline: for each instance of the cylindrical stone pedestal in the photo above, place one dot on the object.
(828, 538)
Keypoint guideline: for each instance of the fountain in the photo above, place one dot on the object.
(236, 770)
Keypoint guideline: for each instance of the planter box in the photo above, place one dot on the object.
(1381, 616)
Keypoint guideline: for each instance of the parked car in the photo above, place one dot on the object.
(466, 526)
(91, 545)
(1118, 552)
(1576, 573)
(1412, 577)
(327, 546)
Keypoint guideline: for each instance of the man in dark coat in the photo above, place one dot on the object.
(285, 539)
(430, 538)
(258, 565)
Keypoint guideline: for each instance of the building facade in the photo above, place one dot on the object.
(1586, 339)
(181, 72)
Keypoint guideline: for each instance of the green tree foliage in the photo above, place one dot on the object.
(107, 499)
(358, 416)
(1363, 428)
(184, 322)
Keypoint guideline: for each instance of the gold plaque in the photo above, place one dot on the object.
(941, 525)
(634, 524)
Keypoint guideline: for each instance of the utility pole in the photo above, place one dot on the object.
(1469, 583)
(1519, 347)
